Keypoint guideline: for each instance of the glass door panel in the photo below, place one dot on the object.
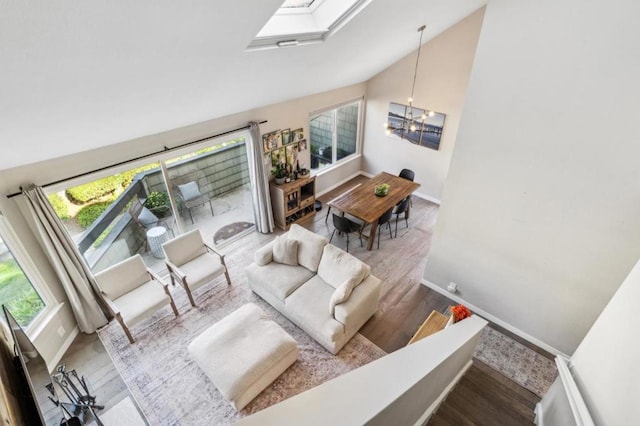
(212, 191)
(113, 218)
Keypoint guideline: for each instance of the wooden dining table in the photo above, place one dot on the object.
(363, 203)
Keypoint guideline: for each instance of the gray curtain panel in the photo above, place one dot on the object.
(75, 276)
(259, 182)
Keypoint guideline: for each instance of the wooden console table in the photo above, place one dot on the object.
(434, 323)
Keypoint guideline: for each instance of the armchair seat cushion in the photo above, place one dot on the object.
(202, 269)
(141, 302)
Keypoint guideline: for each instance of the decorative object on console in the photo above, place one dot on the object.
(279, 173)
(460, 312)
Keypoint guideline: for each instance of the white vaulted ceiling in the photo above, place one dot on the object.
(76, 75)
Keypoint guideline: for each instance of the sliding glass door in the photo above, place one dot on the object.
(135, 211)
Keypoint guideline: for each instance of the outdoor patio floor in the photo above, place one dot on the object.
(232, 207)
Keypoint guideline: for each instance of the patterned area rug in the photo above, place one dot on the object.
(519, 363)
(230, 231)
(172, 390)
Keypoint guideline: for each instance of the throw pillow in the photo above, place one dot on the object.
(285, 251)
(189, 191)
(342, 292)
(146, 218)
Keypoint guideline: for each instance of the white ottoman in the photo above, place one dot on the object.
(243, 353)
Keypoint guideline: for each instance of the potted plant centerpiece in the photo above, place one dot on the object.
(279, 172)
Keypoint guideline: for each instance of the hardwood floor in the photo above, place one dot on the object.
(483, 396)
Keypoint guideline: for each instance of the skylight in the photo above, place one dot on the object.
(296, 3)
(299, 22)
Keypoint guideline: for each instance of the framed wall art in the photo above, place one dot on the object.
(418, 126)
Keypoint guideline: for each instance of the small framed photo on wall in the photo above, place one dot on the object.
(278, 157)
(302, 145)
(286, 137)
(298, 135)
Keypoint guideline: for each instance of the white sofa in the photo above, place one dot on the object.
(322, 289)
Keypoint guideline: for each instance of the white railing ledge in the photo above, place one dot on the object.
(576, 402)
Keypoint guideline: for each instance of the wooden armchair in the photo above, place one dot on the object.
(193, 262)
(133, 292)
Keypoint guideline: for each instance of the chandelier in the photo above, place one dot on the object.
(411, 123)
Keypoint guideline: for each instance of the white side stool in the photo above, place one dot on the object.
(156, 236)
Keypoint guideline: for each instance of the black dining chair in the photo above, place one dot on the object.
(407, 174)
(347, 226)
(385, 219)
(399, 209)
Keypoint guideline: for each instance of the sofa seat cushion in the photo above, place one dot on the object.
(310, 246)
(202, 269)
(308, 305)
(337, 266)
(278, 279)
(141, 301)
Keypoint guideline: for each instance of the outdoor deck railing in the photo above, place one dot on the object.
(219, 172)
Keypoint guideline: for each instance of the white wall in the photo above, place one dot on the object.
(540, 217)
(441, 84)
(291, 114)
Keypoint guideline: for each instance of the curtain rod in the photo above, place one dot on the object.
(165, 150)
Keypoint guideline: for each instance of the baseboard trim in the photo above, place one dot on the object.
(427, 197)
(51, 365)
(539, 415)
(486, 315)
(433, 407)
(332, 187)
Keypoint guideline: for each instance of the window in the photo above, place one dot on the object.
(334, 134)
(17, 291)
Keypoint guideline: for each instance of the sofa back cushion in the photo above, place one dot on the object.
(310, 246)
(285, 250)
(338, 266)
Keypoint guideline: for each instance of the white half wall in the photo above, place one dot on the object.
(441, 84)
(540, 216)
(605, 365)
